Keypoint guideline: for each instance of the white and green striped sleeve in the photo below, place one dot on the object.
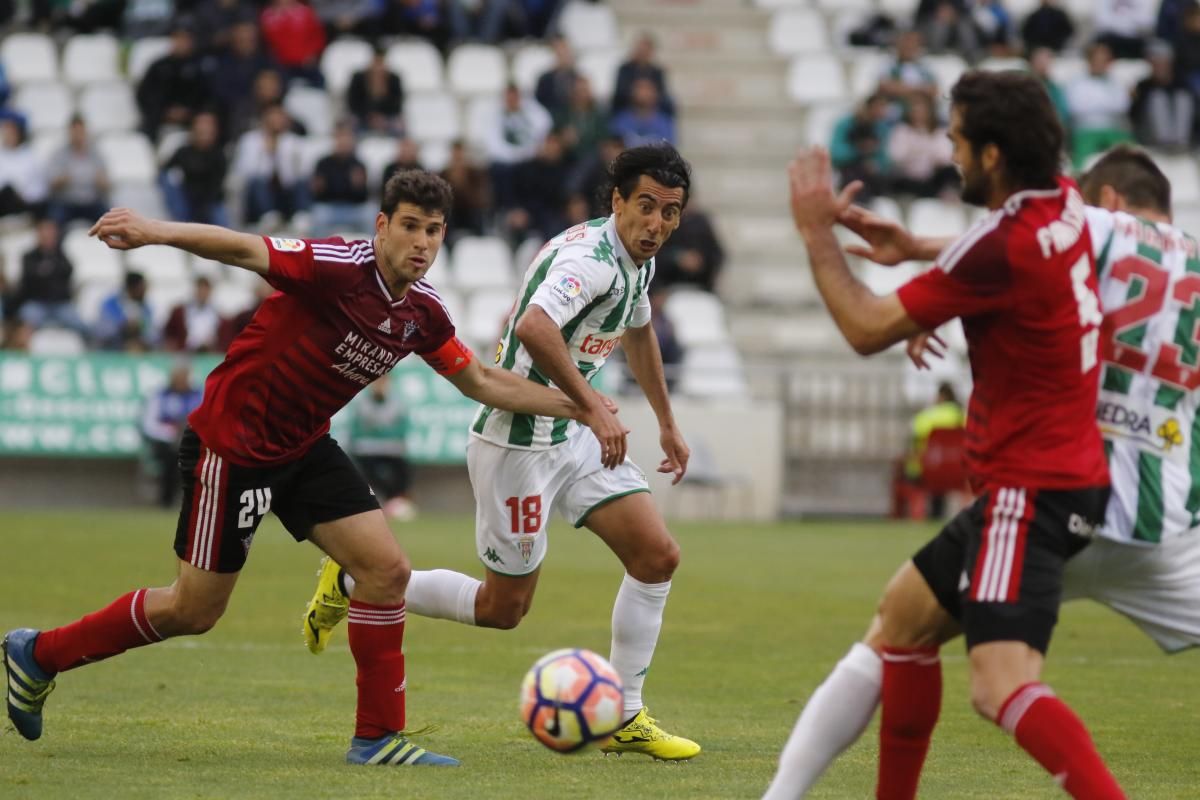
(570, 285)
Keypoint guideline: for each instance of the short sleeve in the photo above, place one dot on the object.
(641, 312)
(570, 285)
(322, 265)
(1101, 224)
(971, 277)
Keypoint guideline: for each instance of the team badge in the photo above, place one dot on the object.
(526, 545)
(568, 288)
(410, 328)
(287, 245)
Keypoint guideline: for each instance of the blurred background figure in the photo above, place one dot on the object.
(268, 158)
(377, 442)
(163, 422)
(45, 295)
(78, 179)
(125, 321)
(193, 179)
(24, 183)
(376, 98)
(472, 193)
(194, 326)
(339, 188)
(923, 494)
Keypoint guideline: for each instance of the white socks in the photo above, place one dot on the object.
(438, 593)
(636, 620)
(833, 719)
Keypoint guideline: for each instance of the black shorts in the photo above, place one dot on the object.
(223, 503)
(997, 567)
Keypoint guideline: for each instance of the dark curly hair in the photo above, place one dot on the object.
(425, 190)
(1012, 111)
(660, 162)
(1133, 174)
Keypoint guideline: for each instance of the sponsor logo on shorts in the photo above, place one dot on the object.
(1081, 527)
(287, 245)
(567, 289)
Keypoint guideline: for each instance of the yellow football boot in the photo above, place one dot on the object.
(642, 735)
(328, 607)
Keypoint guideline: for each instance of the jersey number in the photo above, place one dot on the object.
(1089, 313)
(526, 513)
(1167, 365)
(255, 503)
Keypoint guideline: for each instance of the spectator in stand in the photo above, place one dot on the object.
(342, 17)
(78, 179)
(339, 188)
(644, 122)
(213, 22)
(45, 294)
(376, 98)
(516, 19)
(579, 210)
(539, 194)
(693, 256)
(295, 38)
(1047, 26)
(8, 312)
(1099, 107)
(268, 158)
(407, 157)
(995, 25)
(921, 153)
(1126, 25)
(194, 326)
(175, 87)
(232, 74)
(193, 180)
(947, 27)
(1163, 110)
(908, 75)
(592, 181)
(267, 93)
(147, 18)
(163, 422)
(1187, 49)
(642, 63)
(378, 433)
(237, 323)
(24, 183)
(472, 193)
(424, 18)
(125, 320)
(555, 86)
(581, 124)
(515, 134)
(1170, 18)
(1040, 62)
(859, 146)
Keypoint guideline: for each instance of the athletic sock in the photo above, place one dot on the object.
(833, 719)
(1047, 729)
(442, 594)
(121, 625)
(377, 643)
(636, 621)
(912, 699)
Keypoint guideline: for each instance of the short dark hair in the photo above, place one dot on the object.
(661, 162)
(423, 189)
(1012, 111)
(1133, 174)
(133, 279)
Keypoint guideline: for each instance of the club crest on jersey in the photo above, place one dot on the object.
(410, 328)
(526, 545)
(287, 245)
(567, 289)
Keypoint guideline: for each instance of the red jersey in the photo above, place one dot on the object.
(331, 329)
(1023, 281)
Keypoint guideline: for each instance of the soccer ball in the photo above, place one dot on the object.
(571, 698)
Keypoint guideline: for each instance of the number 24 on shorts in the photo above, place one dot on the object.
(526, 513)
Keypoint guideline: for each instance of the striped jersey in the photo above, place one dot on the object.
(1150, 289)
(587, 283)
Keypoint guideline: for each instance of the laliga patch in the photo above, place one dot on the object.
(567, 289)
(287, 245)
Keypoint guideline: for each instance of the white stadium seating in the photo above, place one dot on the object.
(936, 218)
(145, 52)
(12, 248)
(376, 152)
(698, 317)
(796, 31)
(164, 267)
(530, 63)
(312, 107)
(127, 157)
(600, 68)
(419, 65)
(434, 155)
(816, 79)
(475, 69)
(487, 312)
(108, 107)
(56, 342)
(589, 26)
(47, 106)
(91, 58)
(482, 262)
(1185, 181)
(431, 117)
(95, 263)
(713, 371)
(28, 58)
(341, 59)
(865, 70)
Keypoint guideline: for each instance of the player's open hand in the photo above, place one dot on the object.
(677, 454)
(608, 402)
(924, 346)
(124, 229)
(888, 243)
(814, 204)
(609, 431)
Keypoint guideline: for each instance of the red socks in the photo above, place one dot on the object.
(912, 699)
(376, 641)
(112, 630)
(1049, 731)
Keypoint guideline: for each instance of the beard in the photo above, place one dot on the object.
(975, 188)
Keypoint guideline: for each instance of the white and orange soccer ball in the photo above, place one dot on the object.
(571, 698)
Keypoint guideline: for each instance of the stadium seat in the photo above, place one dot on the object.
(589, 26)
(419, 65)
(714, 371)
(163, 266)
(169, 141)
(600, 68)
(1081, 12)
(816, 79)
(29, 58)
(885, 280)
(312, 150)
(475, 69)
(1002, 64)
(215, 271)
(47, 106)
(487, 314)
(698, 317)
(439, 274)
(13, 247)
(312, 107)
(164, 297)
(833, 6)
(821, 121)
(1185, 182)
(144, 198)
(230, 298)
(936, 218)
(89, 297)
(865, 70)
(453, 302)
(947, 69)
(796, 31)
(1130, 71)
(376, 152)
(56, 342)
(434, 155)
(1067, 68)
(108, 107)
(530, 63)
(341, 59)
(143, 53)
(91, 58)
(887, 207)
(431, 116)
(1187, 218)
(482, 262)
(526, 251)
(94, 263)
(478, 120)
(128, 157)
(773, 5)
(47, 144)
(1020, 9)
(899, 9)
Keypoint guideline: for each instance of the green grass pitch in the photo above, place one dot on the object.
(758, 615)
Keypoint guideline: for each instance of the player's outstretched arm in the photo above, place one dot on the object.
(888, 242)
(645, 362)
(869, 322)
(504, 390)
(123, 229)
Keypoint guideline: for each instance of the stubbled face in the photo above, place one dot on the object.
(976, 184)
(648, 217)
(409, 241)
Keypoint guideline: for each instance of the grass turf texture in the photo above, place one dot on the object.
(758, 615)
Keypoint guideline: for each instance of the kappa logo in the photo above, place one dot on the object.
(287, 245)
(410, 328)
(386, 325)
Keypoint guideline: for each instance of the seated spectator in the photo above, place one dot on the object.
(376, 98)
(582, 123)
(268, 159)
(644, 122)
(859, 146)
(539, 194)
(339, 188)
(407, 157)
(194, 326)
(24, 183)
(921, 153)
(994, 24)
(1047, 26)
(378, 433)
(693, 256)
(78, 179)
(515, 19)
(1125, 25)
(1187, 49)
(1170, 18)
(175, 87)
(555, 86)
(342, 17)
(45, 294)
(424, 18)
(238, 322)
(163, 422)
(213, 22)
(946, 26)
(125, 320)
(193, 180)
(1041, 61)
(147, 18)
(268, 92)
(908, 75)
(642, 63)
(232, 74)
(472, 193)
(515, 134)
(295, 38)
(1163, 110)
(1099, 106)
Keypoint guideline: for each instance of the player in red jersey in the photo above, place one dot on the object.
(1023, 283)
(344, 315)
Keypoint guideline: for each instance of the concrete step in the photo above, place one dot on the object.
(789, 333)
(762, 86)
(750, 286)
(684, 30)
(624, 7)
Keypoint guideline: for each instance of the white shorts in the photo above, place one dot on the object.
(515, 491)
(1158, 588)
